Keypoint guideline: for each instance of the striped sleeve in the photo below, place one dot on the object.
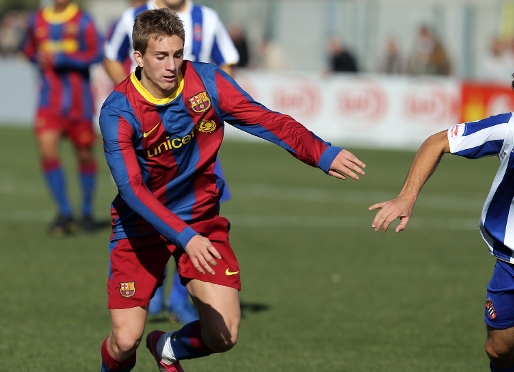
(121, 158)
(240, 110)
(29, 48)
(480, 138)
(223, 50)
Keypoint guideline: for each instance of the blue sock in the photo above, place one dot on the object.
(157, 301)
(56, 182)
(187, 342)
(178, 293)
(494, 369)
(87, 177)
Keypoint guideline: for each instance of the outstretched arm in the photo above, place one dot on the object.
(425, 163)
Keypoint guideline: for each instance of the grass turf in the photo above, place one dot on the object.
(321, 290)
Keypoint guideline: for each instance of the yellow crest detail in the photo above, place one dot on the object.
(207, 126)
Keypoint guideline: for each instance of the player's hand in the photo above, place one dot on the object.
(202, 253)
(391, 210)
(346, 165)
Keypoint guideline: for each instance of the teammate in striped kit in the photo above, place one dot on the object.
(207, 40)
(162, 129)
(474, 140)
(63, 41)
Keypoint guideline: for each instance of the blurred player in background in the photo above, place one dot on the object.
(162, 129)
(207, 40)
(487, 137)
(63, 41)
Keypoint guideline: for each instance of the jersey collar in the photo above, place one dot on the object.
(50, 16)
(148, 96)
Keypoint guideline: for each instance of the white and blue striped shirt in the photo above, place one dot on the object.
(487, 137)
(207, 39)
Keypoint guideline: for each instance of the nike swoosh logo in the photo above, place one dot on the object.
(146, 134)
(228, 272)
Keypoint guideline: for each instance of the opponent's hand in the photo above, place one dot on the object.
(346, 165)
(391, 210)
(202, 253)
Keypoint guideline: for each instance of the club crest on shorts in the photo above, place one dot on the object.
(206, 126)
(201, 102)
(489, 309)
(127, 289)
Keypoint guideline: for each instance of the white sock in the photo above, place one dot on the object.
(164, 349)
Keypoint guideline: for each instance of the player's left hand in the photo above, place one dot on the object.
(346, 165)
(202, 253)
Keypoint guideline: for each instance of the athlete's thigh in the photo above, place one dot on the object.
(218, 306)
(48, 143)
(128, 325)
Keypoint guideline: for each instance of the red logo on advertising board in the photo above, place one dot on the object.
(368, 103)
(430, 105)
(297, 98)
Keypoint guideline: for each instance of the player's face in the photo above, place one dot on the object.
(174, 4)
(161, 65)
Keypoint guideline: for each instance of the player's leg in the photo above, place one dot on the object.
(48, 140)
(500, 349)
(136, 269)
(499, 318)
(216, 331)
(119, 349)
(83, 137)
(178, 304)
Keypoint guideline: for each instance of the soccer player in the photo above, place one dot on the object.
(63, 41)
(162, 129)
(487, 137)
(207, 41)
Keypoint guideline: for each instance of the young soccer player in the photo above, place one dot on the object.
(162, 129)
(487, 137)
(207, 40)
(63, 41)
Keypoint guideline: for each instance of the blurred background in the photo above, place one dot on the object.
(375, 67)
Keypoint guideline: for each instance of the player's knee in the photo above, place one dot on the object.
(125, 344)
(223, 341)
(499, 352)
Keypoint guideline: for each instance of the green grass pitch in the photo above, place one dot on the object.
(321, 290)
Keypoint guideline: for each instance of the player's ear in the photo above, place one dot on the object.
(138, 57)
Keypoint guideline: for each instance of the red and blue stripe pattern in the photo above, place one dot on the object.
(162, 153)
(72, 41)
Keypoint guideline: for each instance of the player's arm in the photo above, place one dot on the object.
(423, 166)
(121, 157)
(29, 48)
(240, 110)
(228, 69)
(115, 70)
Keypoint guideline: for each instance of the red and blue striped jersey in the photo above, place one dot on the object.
(162, 152)
(72, 39)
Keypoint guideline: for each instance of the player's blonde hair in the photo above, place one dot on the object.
(156, 24)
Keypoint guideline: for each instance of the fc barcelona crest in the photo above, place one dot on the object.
(127, 289)
(201, 102)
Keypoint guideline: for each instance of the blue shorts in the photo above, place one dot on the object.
(499, 304)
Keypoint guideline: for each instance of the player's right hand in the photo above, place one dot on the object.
(391, 210)
(202, 253)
